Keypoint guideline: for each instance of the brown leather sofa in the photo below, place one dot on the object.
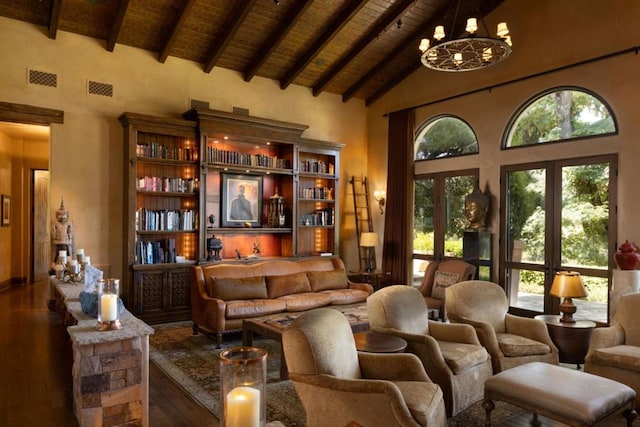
(223, 295)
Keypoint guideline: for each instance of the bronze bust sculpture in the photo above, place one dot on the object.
(476, 206)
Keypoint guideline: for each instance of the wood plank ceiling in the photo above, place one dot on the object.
(354, 48)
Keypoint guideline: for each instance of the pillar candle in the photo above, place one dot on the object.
(87, 260)
(80, 254)
(109, 307)
(243, 407)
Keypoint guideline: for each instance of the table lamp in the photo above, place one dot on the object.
(369, 241)
(567, 285)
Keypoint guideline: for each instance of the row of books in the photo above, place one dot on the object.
(319, 217)
(216, 155)
(166, 220)
(161, 151)
(316, 166)
(164, 184)
(156, 252)
(324, 193)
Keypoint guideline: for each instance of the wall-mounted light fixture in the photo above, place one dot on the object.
(380, 197)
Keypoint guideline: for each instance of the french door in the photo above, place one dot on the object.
(438, 216)
(558, 215)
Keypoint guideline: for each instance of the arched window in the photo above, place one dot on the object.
(444, 136)
(558, 115)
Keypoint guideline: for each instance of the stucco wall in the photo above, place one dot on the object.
(86, 151)
(546, 34)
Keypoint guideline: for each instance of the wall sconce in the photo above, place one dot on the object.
(381, 197)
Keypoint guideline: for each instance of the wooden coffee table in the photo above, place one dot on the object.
(273, 326)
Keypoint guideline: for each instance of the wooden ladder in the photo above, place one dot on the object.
(362, 215)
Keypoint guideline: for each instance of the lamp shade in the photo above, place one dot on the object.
(568, 284)
(369, 240)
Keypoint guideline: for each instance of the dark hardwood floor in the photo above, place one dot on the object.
(35, 370)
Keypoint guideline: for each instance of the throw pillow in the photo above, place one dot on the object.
(229, 289)
(287, 284)
(441, 281)
(325, 280)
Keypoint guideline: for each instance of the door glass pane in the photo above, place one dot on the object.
(526, 216)
(594, 306)
(585, 215)
(423, 216)
(526, 289)
(456, 188)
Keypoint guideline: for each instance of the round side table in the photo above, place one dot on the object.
(373, 342)
(572, 339)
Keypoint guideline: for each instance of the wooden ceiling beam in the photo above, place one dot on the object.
(276, 38)
(236, 21)
(54, 19)
(114, 34)
(336, 24)
(389, 17)
(186, 12)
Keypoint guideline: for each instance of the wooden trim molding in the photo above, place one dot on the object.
(28, 114)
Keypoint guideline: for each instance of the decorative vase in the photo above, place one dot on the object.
(627, 257)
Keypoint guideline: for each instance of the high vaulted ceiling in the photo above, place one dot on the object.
(355, 48)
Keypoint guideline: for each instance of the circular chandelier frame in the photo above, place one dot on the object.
(473, 51)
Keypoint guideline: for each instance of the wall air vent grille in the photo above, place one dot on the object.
(197, 103)
(102, 89)
(43, 78)
(241, 111)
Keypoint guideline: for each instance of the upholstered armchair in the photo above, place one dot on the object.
(339, 386)
(438, 276)
(614, 351)
(510, 340)
(451, 354)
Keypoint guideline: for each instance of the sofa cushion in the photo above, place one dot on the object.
(252, 308)
(286, 284)
(516, 346)
(441, 281)
(346, 296)
(228, 289)
(305, 301)
(323, 280)
(460, 357)
(620, 356)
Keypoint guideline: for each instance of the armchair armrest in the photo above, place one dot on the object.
(605, 337)
(530, 328)
(392, 367)
(486, 335)
(454, 332)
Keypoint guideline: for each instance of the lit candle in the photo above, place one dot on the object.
(243, 407)
(109, 307)
(74, 267)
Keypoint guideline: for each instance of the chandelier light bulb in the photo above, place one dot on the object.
(432, 56)
(438, 34)
(424, 45)
(503, 31)
(472, 25)
(457, 58)
(486, 54)
(507, 40)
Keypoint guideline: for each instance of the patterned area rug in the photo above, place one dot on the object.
(192, 362)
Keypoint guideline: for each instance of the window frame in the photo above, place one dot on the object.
(430, 122)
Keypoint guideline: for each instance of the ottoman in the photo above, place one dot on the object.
(566, 395)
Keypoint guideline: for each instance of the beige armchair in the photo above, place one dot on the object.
(510, 340)
(339, 386)
(438, 276)
(614, 351)
(451, 354)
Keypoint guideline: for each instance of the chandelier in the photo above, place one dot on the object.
(467, 53)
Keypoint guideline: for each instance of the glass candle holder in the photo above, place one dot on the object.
(108, 319)
(243, 379)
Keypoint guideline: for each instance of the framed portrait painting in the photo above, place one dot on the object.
(6, 210)
(241, 203)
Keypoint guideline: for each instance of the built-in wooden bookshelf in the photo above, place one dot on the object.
(182, 179)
